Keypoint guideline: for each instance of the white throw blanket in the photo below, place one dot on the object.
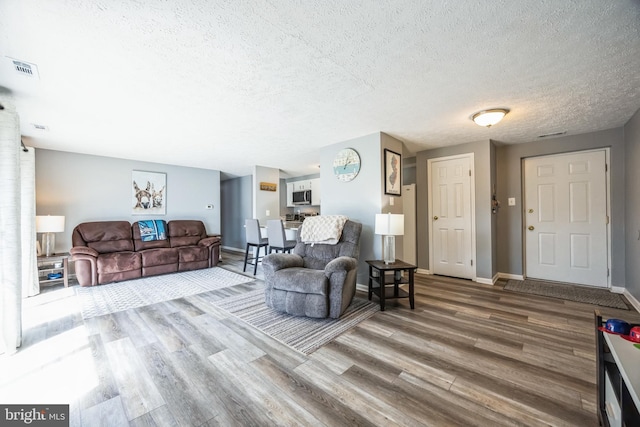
(323, 229)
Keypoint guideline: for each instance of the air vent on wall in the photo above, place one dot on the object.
(547, 135)
(39, 127)
(26, 69)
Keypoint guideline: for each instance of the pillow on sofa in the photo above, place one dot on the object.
(152, 229)
(141, 245)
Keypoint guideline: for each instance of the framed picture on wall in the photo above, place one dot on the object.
(149, 193)
(392, 173)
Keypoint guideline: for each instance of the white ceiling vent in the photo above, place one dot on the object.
(37, 126)
(548, 135)
(26, 69)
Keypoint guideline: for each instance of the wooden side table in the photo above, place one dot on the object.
(49, 265)
(378, 273)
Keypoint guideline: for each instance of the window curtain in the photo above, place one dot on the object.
(30, 283)
(17, 266)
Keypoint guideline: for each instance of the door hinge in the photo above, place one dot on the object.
(469, 172)
(471, 263)
(607, 219)
(607, 272)
(606, 167)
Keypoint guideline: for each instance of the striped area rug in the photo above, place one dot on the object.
(301, 333)
(120, 296)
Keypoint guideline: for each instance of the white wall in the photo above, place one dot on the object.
(94, 188)
(265, 201)
(632, 204)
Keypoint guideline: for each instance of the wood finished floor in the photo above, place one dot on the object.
(469, 354)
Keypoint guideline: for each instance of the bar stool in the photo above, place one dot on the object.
(277, 237)
(254, 239)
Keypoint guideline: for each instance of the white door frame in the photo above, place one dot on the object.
(472, 189)
(607, 154)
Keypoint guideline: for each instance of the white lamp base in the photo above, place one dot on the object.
(389, 249)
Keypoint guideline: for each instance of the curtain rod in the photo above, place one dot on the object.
(25, 149)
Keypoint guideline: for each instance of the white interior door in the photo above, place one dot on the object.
(566, 218)
(451, 220)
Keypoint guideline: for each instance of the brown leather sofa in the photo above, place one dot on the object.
(112, 251)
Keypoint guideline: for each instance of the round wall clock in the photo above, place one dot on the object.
(346, 164)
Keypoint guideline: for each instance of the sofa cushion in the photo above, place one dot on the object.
(193, 254)
(104, 236)
(186, 232)
(140, 245)
(161, 256)
(303, 280)
(118, 262)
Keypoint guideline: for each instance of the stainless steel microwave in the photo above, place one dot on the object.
(302, 197)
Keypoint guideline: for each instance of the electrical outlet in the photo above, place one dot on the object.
(268, 212)
(512, 201)
(209, 207)
(391, 201)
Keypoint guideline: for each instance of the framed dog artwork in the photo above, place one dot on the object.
(149, 193)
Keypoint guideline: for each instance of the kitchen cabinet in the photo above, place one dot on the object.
(307, 184)
(315, 192)
(290, 195)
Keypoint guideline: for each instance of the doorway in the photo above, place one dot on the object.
(566, 216)
(451, 205)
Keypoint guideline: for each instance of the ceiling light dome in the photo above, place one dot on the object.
(489, 118)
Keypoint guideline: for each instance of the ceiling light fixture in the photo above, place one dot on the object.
(489, 118)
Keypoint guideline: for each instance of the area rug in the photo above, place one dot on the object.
(120, 296)
(567, 291)
(301, 333)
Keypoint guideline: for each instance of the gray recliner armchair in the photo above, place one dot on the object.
(316, 280)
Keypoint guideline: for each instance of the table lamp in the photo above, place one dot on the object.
(389, 225)
(48, 225)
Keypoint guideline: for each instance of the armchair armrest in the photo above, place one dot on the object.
(78, 251)
(209, 241)
(340, 264)
(85, 259)
(275, 262)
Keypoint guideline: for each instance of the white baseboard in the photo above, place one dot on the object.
(510, 276)
(634, 302)
(362, 287)
(423, 271)
(229, 248)
(486, 281)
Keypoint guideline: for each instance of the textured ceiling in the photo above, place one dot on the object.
(230, 84)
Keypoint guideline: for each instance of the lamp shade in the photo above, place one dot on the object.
(49, 223)
(389, 224)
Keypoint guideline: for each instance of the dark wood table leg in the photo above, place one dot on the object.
(370, 282)
(411, 289)
(382, 289)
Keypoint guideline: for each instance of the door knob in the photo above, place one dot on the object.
(435, 218)
(530, 210)
(531, 228)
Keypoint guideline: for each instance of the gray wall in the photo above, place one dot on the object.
(509, 174)
(93, 188)
(485, 248)
(359, 199)
(236, 198)
(632, 201)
